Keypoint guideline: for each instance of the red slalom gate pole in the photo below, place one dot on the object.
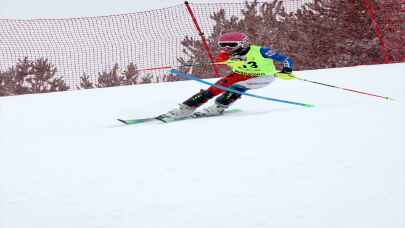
(201, 33)
(378, 30)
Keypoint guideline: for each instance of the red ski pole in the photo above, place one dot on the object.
(171, 67)
(350, 90)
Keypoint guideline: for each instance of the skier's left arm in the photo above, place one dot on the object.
(287, 62)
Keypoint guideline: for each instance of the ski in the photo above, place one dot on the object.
(196, 115)
(136, 121)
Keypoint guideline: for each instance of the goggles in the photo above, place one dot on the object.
(228, 44)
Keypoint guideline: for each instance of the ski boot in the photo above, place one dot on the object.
(183, 111)
(187, 108)
(213, 110)
(221, 104)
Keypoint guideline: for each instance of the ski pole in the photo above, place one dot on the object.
(337, 87)
(185, 65)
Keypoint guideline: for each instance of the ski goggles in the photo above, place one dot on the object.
(228, 44)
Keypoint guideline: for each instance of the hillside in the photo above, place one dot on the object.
(66, 162)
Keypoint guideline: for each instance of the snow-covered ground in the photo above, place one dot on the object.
(66, 163)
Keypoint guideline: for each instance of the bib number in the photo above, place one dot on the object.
(252, 64)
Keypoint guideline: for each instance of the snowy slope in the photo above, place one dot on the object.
(65, 162)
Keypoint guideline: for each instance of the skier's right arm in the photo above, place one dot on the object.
(222, 57)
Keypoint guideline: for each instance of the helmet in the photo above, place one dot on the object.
(233, 41)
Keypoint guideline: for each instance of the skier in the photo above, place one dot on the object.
(252, 68)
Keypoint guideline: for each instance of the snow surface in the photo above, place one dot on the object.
(66, 163)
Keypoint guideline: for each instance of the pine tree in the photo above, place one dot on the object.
(29, 76)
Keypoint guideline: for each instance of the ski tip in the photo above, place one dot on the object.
(234, 110)
(122, 121)
(309, 105)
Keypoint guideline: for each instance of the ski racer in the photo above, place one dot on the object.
(252, 67)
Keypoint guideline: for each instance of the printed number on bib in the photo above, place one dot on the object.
(252, 64)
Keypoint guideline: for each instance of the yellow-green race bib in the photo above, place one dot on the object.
(254, 65)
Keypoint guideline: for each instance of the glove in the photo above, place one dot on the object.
(285, 74)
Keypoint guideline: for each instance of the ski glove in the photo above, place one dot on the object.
(285, 74)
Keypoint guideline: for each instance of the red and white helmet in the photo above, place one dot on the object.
(232, 41)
